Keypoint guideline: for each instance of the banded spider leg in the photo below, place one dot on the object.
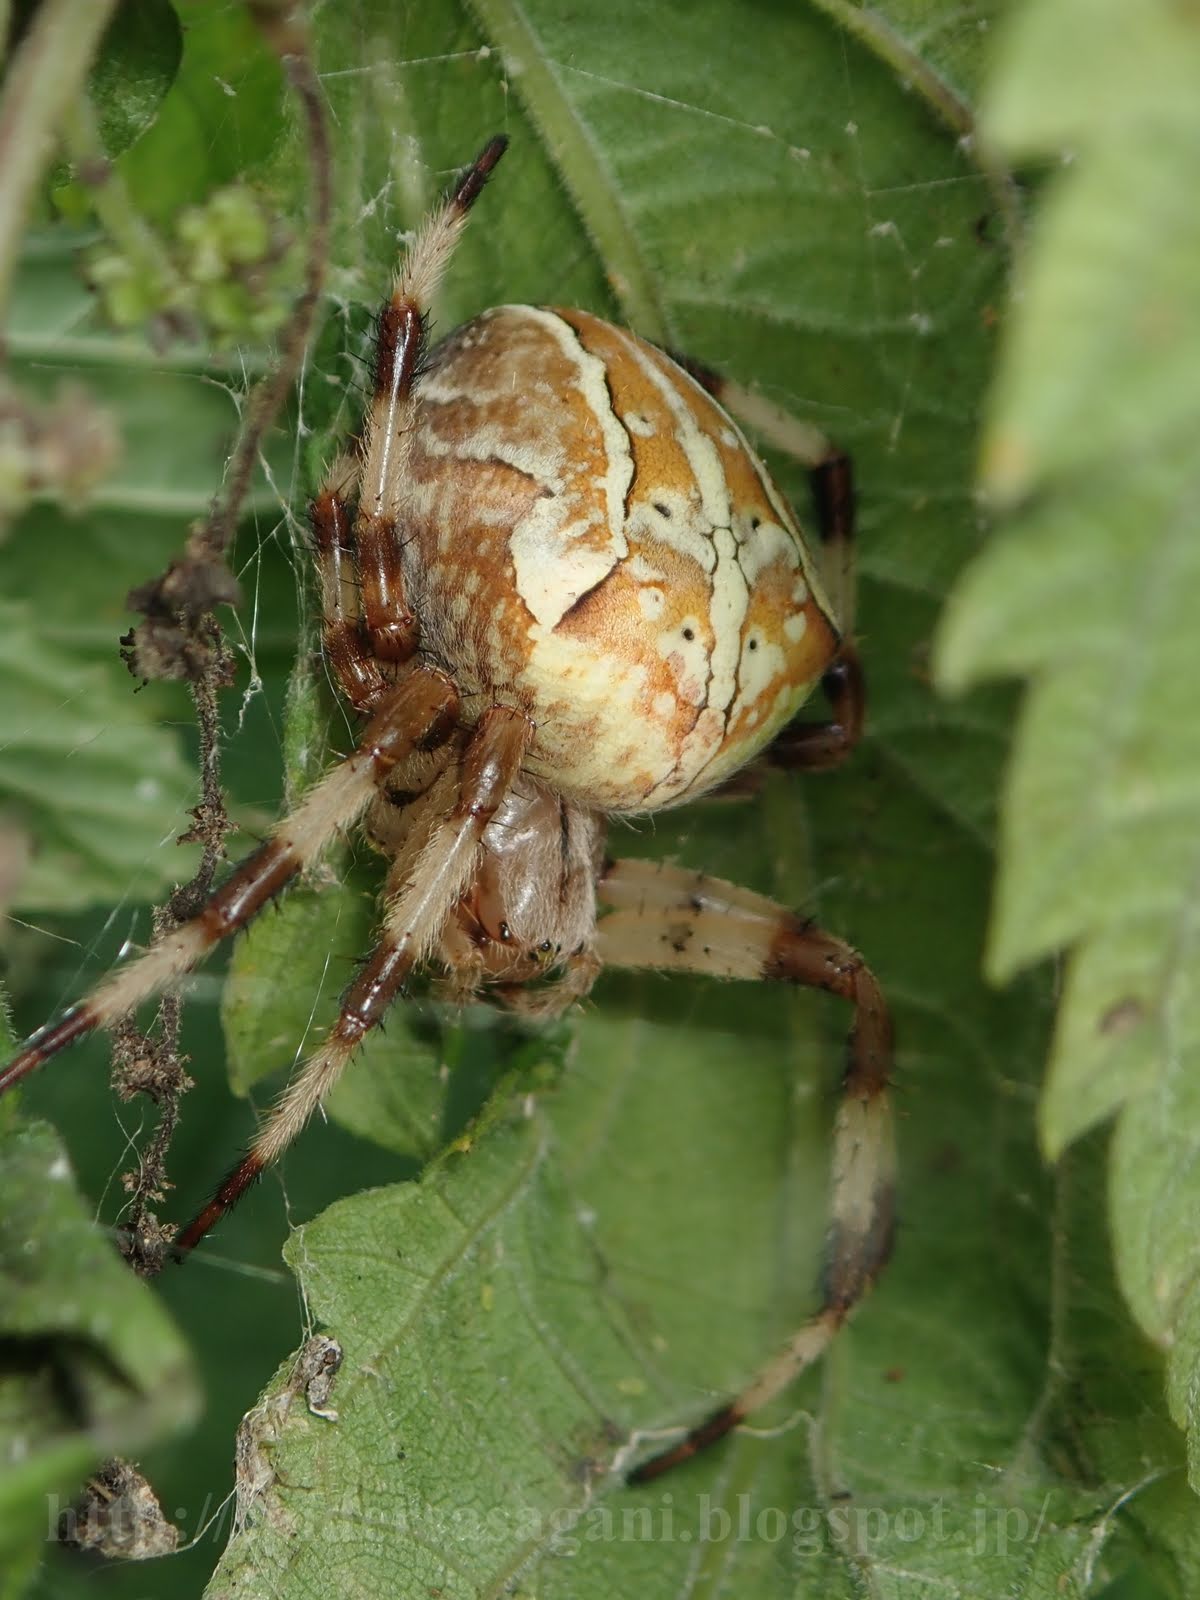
(672, 919)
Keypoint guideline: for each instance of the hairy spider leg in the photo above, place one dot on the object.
(388, 623)
(419, 896)
(354, 664)
(668, 917)
(366, 617)
(417, 713)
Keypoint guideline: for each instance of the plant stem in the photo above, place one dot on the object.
(46, 74)
(109, 195)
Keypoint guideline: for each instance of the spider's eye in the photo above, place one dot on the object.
(504, 933)
(545, 947)
(689, 633)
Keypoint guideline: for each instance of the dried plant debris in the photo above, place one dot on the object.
(57, 449)
(119, 1517)
(313, 1376)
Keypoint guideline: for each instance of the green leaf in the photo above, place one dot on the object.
(504, 1331)
(1091, 591)
(133, 70)
(282, 993)
(219, 120)
(1101, 360)
(89, 1364)
(120, 782)
(93, 785)
(139, 57)
(1126, 67)
(312, 938)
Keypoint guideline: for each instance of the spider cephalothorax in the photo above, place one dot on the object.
(558, 584)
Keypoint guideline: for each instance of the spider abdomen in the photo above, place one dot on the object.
(593, 541)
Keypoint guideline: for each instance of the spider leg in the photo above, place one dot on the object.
(417, 712)
(388, 620)
(812, 746)
(415, 911)
(367, 618)
(815, 746)
(668, 917)
(331, 518)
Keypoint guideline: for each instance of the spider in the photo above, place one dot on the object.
(558, 585)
